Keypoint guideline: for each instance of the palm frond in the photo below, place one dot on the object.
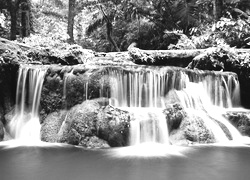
(243, 3)
(93, 26)
(187, 14)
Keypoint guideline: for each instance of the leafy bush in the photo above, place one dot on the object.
(4, 25)
(222, 58)
(235, 32)
(50, 28)
(226, 32)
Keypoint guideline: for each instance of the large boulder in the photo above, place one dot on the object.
(52, 93)
(65, 87)
(192, 130)
(65, 55)
(241, 120)
(79, 126)
(113, 126)
(185, 127)
(76, 126)
(89, 124)
(50, 129)
(174, 113)
(12, 52)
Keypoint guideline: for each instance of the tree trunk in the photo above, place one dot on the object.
(13, 30)
(217, 9)
(13, 18)
(71, 15)
(109, 29)
(25, 18)
(109, 35)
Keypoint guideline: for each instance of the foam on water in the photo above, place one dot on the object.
(15, 143)
(148, 150)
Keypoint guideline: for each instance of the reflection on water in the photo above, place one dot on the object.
(72, 163)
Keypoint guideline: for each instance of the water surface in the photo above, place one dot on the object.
(72, 163)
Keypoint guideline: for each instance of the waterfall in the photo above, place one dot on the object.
(25, 123)
(142, 91)
(66, 76)
(148, 125)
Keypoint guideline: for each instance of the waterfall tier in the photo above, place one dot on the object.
(144, 92)
(199, 91)
(147, 87)
(25, 124)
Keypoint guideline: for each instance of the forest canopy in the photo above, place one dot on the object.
(112, 25)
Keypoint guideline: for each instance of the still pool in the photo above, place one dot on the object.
(74, 163)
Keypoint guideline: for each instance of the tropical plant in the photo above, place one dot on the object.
(225, 32)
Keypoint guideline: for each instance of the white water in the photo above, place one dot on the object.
(25, 124)
(196, 101)
(205, 94)
(66, 76)
(143, 93)
(148, 125)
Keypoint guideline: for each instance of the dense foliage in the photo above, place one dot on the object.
(112, 25)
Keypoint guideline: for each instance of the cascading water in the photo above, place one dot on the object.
(65, 79)
(199, 92)
(208, 98)
(141, 93)
(25, 124)
(149, 125)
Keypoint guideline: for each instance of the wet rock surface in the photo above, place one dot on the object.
(65, 87)
(241, 120)
(8, 74)
(89, 125)
(163, 57)
(113, 126)
(175, 114)
(50, 130)
(191, 130)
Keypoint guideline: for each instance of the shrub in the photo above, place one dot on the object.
(226, 32)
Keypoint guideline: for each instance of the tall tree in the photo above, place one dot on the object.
(71, 15)
(25, 8)
(12, 8)
(16, 8)
(217, 9)
(109, 29)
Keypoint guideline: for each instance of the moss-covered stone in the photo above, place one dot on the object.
(89, 124)
(113, 126)
(174, 113)
(50, 129)
(241, 120)
(192, 130)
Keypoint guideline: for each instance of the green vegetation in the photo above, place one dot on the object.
(112, 25)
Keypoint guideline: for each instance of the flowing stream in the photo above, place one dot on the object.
(144, 93)
(25, 124)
